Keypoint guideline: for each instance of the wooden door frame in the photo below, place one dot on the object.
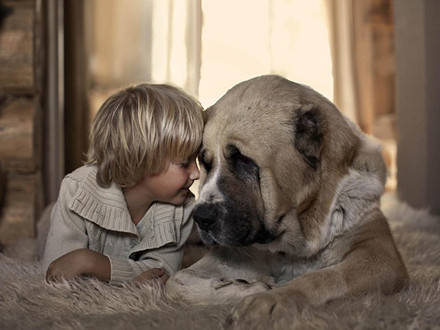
(53, 114)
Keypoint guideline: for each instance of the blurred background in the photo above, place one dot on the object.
(377, 60)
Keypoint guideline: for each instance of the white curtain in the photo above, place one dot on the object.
(341, 29)
(246, 38)
(176, 36)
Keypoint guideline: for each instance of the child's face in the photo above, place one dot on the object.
(172, 185)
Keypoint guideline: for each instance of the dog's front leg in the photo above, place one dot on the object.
(372, 265)
(224, 275)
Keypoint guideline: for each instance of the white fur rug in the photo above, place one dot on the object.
(26, 302)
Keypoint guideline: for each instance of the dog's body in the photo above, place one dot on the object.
(289, 195)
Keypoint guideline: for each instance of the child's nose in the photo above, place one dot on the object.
(195, 173)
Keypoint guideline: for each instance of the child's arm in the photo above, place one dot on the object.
(158, 264)
(80, 262)
(66, 254)
(67, 231)
(168, 257)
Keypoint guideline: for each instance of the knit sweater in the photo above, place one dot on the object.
(89, 216)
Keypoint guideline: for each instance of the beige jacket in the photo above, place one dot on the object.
(89, 216)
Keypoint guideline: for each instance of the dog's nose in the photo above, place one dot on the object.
(205, 215)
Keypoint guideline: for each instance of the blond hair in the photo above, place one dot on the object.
(140, 129)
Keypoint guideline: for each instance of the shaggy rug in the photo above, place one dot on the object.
(27, 302)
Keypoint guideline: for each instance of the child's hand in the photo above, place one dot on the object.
(79, 262)
(154, 274)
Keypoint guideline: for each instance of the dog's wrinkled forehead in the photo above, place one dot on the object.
(263, 96)
(247, 112)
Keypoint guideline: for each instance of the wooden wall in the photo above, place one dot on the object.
(20, 119)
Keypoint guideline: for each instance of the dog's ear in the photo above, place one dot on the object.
(209, 113)
(308, 134)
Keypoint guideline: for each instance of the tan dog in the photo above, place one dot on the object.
(289, 198)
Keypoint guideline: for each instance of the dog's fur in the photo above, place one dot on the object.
(289, 198)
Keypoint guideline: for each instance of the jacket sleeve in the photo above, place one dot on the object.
(67, 231)
(168, 256)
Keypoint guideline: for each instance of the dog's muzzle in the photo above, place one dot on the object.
(205, 215)
(219, 226)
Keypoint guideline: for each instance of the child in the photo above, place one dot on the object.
(126, 214)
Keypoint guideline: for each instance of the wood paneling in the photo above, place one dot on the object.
(17, 47)
(2, 187)
(18, 212)
(21, 77)
(17, 135)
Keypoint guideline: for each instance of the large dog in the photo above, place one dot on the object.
(289, 199)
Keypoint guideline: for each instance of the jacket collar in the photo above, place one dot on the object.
(105, 207)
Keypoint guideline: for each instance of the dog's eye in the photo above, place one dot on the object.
(242, 165)
(204, 160)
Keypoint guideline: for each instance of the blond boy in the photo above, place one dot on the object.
(127, 213)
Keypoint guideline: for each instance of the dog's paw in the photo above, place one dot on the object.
(241, 287)
(229, 291)
(196, 288)
(267, 310)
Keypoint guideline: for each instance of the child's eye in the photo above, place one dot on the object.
(184, 164)
(187, 162)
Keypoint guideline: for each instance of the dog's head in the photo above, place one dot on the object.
(273, 153)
